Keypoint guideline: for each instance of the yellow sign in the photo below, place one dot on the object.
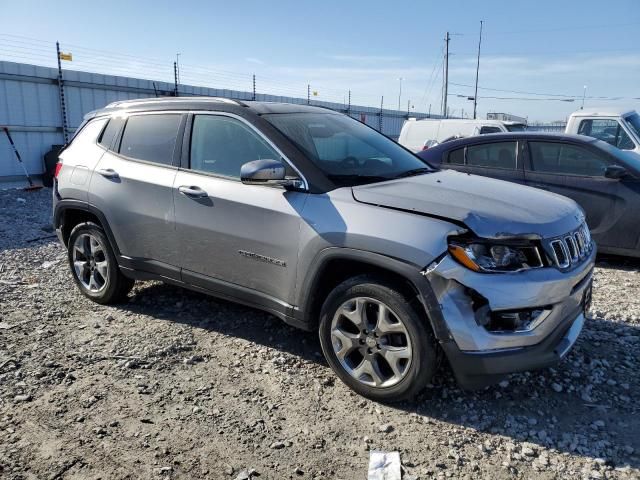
(315, 93)
(66, 56)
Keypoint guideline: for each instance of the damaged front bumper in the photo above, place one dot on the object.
(481, 355)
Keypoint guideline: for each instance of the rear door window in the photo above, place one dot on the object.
(493, 155)
(151, 137)
(566, 159)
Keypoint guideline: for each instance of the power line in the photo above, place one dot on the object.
(539, 93)
(565, 28)
(517, 98)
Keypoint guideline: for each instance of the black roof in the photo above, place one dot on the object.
(434, 152)
(492, 137)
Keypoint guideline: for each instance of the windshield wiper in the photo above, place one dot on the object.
(414, 172)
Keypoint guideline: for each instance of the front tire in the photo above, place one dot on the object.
(94, 266)
(376, 341)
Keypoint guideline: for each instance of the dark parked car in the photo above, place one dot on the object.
(602, 179)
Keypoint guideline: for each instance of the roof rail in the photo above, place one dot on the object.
(145, 101)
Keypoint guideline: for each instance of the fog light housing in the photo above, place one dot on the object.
(516, 320)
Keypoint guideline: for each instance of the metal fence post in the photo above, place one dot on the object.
(175, 79)
(254, 87)
(380, 119)
(63, 104)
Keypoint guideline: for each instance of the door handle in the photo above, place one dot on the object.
(107, 172)
(192, 191)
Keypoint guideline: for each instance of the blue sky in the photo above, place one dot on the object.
(548, 47)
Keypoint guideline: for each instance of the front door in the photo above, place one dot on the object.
(577, 172)
(241, 240)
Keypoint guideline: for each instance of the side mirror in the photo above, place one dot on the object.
(615, 172)
(265, 172)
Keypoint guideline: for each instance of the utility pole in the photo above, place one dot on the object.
(254, 87)
(380, 118)
(400, 93)
(408, 107)
(584, 94)
(175, 79)
(475, 97)
(308, 94)
(429, 111)
(178, 66)
(349, 107)
(446, 75)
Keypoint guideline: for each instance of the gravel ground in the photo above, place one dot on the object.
(175, 384)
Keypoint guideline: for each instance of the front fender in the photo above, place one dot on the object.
(412, 273)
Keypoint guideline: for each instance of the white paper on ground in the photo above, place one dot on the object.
(384, 465)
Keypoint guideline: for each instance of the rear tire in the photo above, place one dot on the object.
(94, 266)
(376, 341)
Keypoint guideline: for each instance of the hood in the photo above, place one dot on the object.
(490, 208)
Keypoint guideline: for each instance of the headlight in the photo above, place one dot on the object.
(490, 257)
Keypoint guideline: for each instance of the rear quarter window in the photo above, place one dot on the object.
(455, 157)
(485, 130)
(112, 129)
(88, 134)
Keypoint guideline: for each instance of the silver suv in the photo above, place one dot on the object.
(327, 224)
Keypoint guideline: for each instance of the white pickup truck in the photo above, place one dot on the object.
(620, 128)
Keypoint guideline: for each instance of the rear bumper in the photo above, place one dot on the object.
(479, 369)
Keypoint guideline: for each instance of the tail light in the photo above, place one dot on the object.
(58, 168)
(425, 147)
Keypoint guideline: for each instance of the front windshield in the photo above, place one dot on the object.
(347, 151)
(517, 127)
(634, 122)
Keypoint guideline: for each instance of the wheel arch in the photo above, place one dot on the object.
(69, 213)
(334, 265)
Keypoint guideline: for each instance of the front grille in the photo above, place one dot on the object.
(572, 248)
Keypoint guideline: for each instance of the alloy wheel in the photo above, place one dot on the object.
(90, 262)
(371, 342)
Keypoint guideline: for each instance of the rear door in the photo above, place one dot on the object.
(133, 187)
(236, 239)
(501, 160)
(577, 172)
